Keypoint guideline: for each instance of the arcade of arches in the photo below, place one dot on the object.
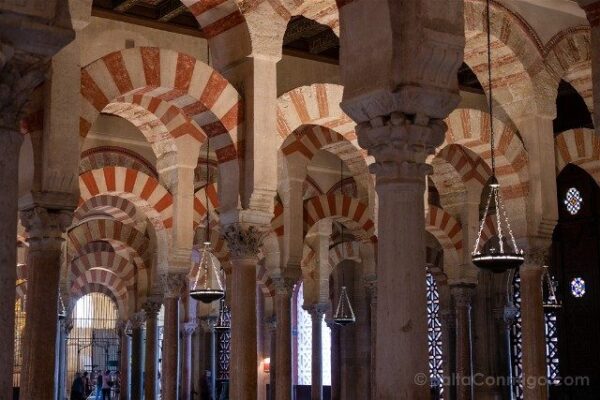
(316, 144)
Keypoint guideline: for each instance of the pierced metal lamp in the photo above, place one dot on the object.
(551, 302)
(208, 285)
(499, 254)
(344, 314)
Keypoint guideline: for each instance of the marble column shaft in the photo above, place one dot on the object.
(335, 361)
(123, 360)
(137, 354)
(151, 310)
(10, 144)
(45, 229)
(271, 325)
(533, 332)
(462, 302)
(316, 313)
(244, 242)
(174, 285)
(187, 331)
(283, 333)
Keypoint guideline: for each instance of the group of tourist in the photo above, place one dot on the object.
(100, 386)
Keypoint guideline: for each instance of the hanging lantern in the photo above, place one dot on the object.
(223, 321)
(62, 311)
(551, 303)
(211, 287)
(500, 253)
(344, 314)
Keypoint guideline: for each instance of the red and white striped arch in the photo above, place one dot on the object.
(469, 166)
(517, 56)
(343, 251)
(95, 279)
(580, 147)
(119, 208)
(215, 16)
(200, 206)
(346, 209)
(108, 156)
(569, 57)
(121, 266)
(447, 230)
(470, 128)
(182, 92)
(143, 190)
(109, 230)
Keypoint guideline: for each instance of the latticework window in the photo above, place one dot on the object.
(551, 329)
(434, 334)
(573, 201)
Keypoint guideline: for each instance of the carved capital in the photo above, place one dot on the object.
(188, 328)
(371, 288)
(174, 284)
(317, 311)
(537, 256)
(463, 295)
(401, 144)
(45, 227)
(121, 327)
(283, 286)
(207, 323)
(243, 241)
(137, 320)
(152, 308)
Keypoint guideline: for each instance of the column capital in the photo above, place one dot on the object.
(121, 327)
(137, 320)
(371, 288)
(174, 284)
(317, 311)
(45, 227)
(188, 328)
(284, 286)
(462, 294)
(536, 256)
(152, 308)
(244, 241)
(506, 315)
(401, 144)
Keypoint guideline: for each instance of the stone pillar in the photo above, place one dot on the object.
(505, 318)
(243, 246)
(137, 354)
(187, 331)
(271, 324)
(372, 293)
(463, 296)
(10, 144)
(448, 319)
(64, 327)
(401, 333)
(174, 285)
(317, 312)
(336, 384)
(151, 309)
(45, 229)
(533, 328)
(283, 363)
(123, 359)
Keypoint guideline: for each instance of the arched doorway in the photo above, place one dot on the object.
(93, 343)
(576, 263)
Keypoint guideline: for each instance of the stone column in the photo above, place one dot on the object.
(372, 293)
(463, 296)
(187, 331)
(283, 362)
(533, 328)
(151, 309)
(123, 359)
(505, 318)
(271, 324)
(10, 144)
(317, 312)
(448, 318)
(592, 10)
(64, 327)
(401, 333)
(174, 285)
(45, 229)
(243, 246)
(336, 384)
(137, 354)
